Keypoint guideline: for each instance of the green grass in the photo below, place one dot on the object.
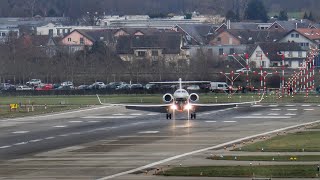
(268, 158)
(297, 142)
(22, 112)
(280, 171)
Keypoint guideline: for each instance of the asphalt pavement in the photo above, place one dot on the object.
(106, 141)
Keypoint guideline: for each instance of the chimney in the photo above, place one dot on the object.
(296, 25)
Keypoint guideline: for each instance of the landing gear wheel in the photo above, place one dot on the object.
(168, 116)
(193, 116)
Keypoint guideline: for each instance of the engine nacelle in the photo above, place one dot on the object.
(167, 98)
(194, 97)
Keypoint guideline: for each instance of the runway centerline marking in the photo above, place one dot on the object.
(20, 143)
(148, 132)
(273, 105)
(118, 114)
(109, 117)
(152, 114)
(256, 114)
(60, 126)
(229, 121)
(135, 114)
(290, 105)
(273, 114)
(292, 109)
(290, 114)
(257, 105)
(275, 109)
(35, 140)
(93, 121)
(308, 109)
(4, 147)
(211, 121)
(75, 121)
(51, 137)
(20, 132)
(263, 117)
(306, 105)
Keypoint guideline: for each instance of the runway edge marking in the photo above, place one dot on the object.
(204, 149)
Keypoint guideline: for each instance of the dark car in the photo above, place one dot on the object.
(83, 87)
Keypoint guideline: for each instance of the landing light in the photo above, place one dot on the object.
(173, 107)
(188, 107)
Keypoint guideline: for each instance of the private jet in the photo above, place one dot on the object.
(179, 101)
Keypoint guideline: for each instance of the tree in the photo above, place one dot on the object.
(310, 17)
(305, 16)
(232, 16)
(283, 15)
(256, 11)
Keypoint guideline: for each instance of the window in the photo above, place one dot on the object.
(81, 40)
(258, 53)
(276, 26)
(210, 52)
(300, 54)
(231, 50)
(307, 44)
(220, 51)
(69, 39)
(50, 32)
(290, 54)
(219, 39)
(301, 44)
(58, 31)
(3, 34)
(154, 53)
(297, 35)
(263, 63)
(141, 53)
(292, 35)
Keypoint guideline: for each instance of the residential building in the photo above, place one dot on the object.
(270, 55)
(305, 37)
(7, 32)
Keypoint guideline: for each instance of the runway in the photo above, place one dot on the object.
(110, 140)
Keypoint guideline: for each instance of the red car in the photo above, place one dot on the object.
(44, 87)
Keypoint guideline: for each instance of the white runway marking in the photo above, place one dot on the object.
(64, 135)
(51, 137)
(263, 117)
(306, 105)
(75, 121)
(206, 113)
(275, 109)
(148, 132)
(200, 151)
(308, 109)
(229, 121)
(20, 143)
(118, 114)
(256, 114)
(290, 105)
(292, 109)
(35, 140)
(273, 114)
(257, 105)
(20, 132)
(93, 121)
(152, 114)
(135, 114)
(273, 105)
(3, 147)
(109, 117)
(290, 114)
(60, 126)
(211, 121)
(319, 105)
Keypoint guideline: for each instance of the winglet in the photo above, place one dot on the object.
(99, 99)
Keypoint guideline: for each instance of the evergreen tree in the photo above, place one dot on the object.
(305, 16)
(232, 16)
(283, 15)
(310, 17)
(256, 11)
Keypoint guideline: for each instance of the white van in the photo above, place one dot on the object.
(218, 86)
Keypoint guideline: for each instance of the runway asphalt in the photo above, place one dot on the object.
(109, 140)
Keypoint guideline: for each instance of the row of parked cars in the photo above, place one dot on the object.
(36, 84)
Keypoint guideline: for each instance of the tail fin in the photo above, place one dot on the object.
(180, 83)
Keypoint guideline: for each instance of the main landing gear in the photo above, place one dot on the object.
(193, 116)
(169, 116)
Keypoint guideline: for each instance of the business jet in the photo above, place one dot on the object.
(179, 101)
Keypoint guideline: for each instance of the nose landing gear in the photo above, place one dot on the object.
(193, 116)
(169, 116)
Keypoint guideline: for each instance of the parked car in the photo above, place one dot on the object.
(44, 87)
(65, 88)
(83, 87)
(23, 88)
(243, 70)
(136, 86)
(97, 85)
(123, 87)
(34, 82)
(7, 86)
(193, 87)
(67, 83)
(219, 86)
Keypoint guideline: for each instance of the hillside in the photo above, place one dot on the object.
(74, 8)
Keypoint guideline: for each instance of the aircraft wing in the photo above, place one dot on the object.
(144, 107)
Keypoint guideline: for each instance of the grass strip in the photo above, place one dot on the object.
(306, 141)
(276, 171)
(268, 158)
